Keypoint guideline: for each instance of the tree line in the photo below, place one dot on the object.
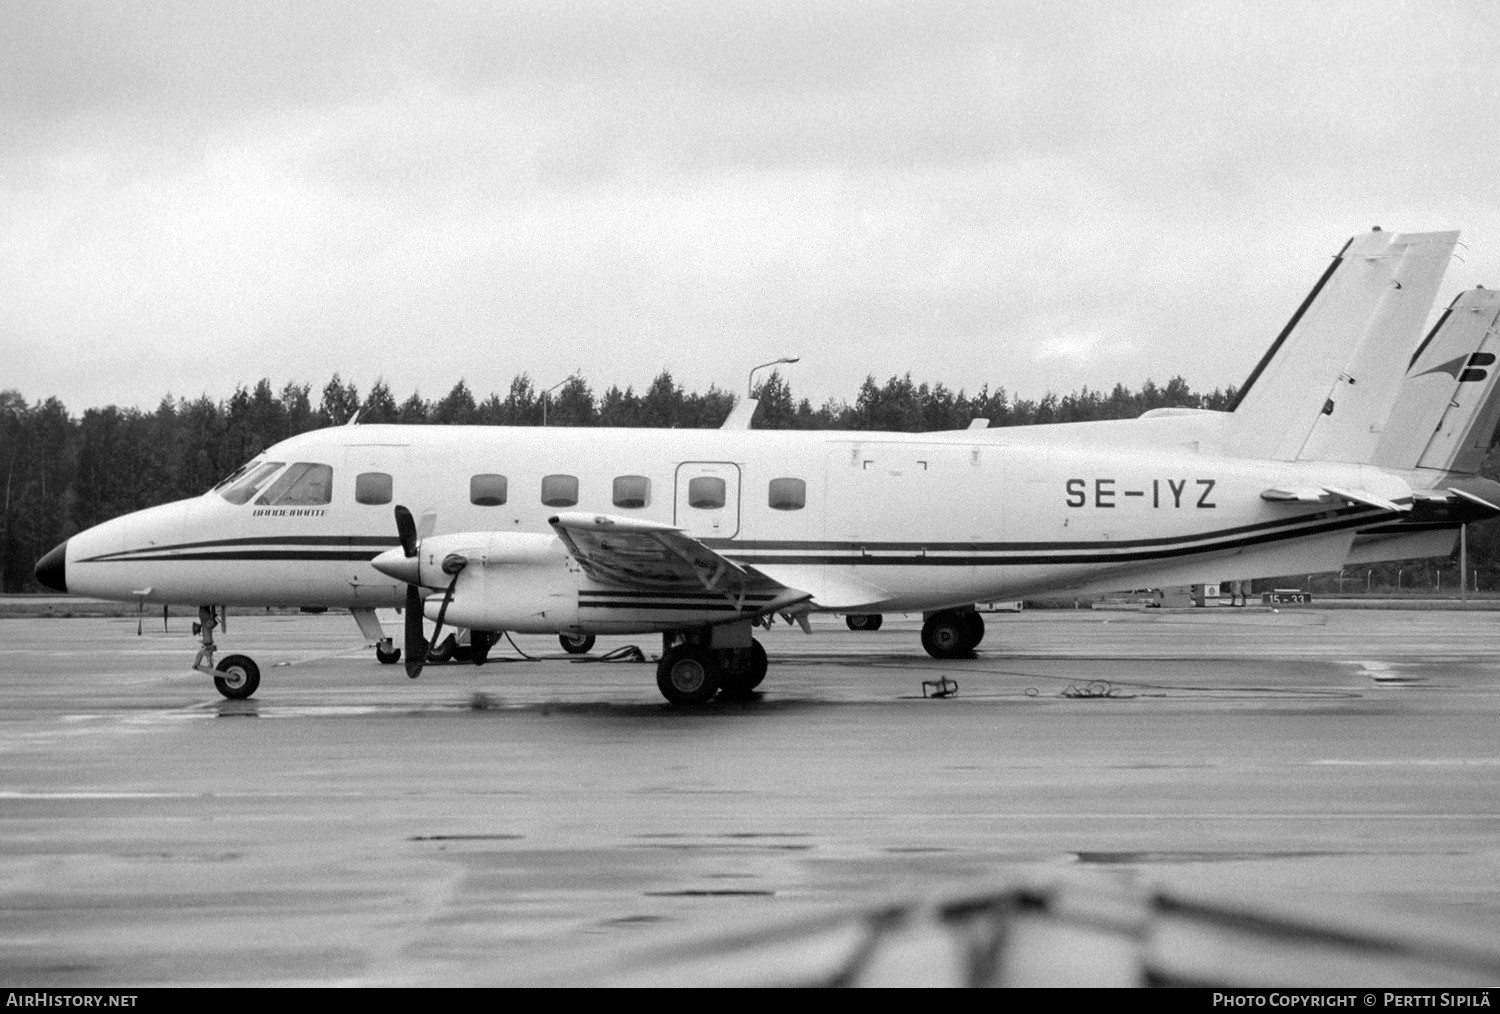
(65, 473)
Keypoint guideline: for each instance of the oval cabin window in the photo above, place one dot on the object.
(706, 492)
(788, 494)
(487, 490)
(632, 491)
(560, 490)
(372, 488)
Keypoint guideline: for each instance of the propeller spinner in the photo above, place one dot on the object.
(406, 565)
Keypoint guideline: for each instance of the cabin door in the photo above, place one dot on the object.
(374, 478)
(708, 499)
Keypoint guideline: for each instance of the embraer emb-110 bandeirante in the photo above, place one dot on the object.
(1351, 442)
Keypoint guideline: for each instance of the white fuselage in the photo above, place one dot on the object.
(930, 520)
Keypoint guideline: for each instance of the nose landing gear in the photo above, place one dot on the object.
(240, 678)
(236, 676)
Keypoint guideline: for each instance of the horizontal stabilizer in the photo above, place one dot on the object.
(1367, 498)
(1327, 494)
(1481, 501)
(1297, 494)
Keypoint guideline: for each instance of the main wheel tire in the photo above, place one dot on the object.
(576, 644)
(864, 621)
(387, 657)
(976, 629)
(241, 677)
(444, 649)
(946, 635)
(688, 674)
(742, 682)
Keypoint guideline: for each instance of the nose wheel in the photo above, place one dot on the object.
(238, 677)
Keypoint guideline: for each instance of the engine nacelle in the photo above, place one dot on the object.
(511, 581)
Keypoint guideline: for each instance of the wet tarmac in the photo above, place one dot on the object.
(544, 821)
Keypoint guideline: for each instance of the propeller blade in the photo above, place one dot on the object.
(416, 644)
(407, 529)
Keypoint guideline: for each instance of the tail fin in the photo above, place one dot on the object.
(1329, 381)
(1449, 405)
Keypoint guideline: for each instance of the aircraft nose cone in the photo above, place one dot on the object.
(52, 569)
(394, 563)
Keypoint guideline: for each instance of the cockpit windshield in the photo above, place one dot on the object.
(305, 484)
(243, 484)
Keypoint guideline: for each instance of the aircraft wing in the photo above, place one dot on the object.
(633, 553)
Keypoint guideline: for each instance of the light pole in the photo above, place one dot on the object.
(547, 394)
(750, 384)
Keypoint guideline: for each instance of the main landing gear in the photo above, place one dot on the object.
(386, 652)
(952, 633)
(722, 660)
(236, 676)
(863, 621)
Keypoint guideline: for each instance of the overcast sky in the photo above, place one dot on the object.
(1041, 196)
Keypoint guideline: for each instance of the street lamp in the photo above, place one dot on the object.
(750, 384)
(547, 394)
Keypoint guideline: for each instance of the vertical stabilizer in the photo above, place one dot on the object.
(1449, 405)
(1326, 386)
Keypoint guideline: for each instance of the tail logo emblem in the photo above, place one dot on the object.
(1465, 368)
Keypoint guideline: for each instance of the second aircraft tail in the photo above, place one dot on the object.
(1449, 405)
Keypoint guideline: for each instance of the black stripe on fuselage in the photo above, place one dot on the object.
(625, 593)
(690, 607)
(383, 541)
(1022, 558)
(330, 555)
(744, 545)
(965, 554)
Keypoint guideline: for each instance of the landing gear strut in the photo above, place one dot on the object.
(386, 652)
(952, 633)
(236, 676)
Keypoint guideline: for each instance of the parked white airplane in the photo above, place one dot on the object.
(703, 534)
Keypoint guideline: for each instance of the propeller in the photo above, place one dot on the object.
(406, 528)
(416, 646)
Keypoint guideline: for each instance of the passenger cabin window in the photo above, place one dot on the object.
(787, 494)
(241, 491)
(560, 490)
(372, 488)
(632, 491)
(706, 492)
(304, 484)
(487, 490)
